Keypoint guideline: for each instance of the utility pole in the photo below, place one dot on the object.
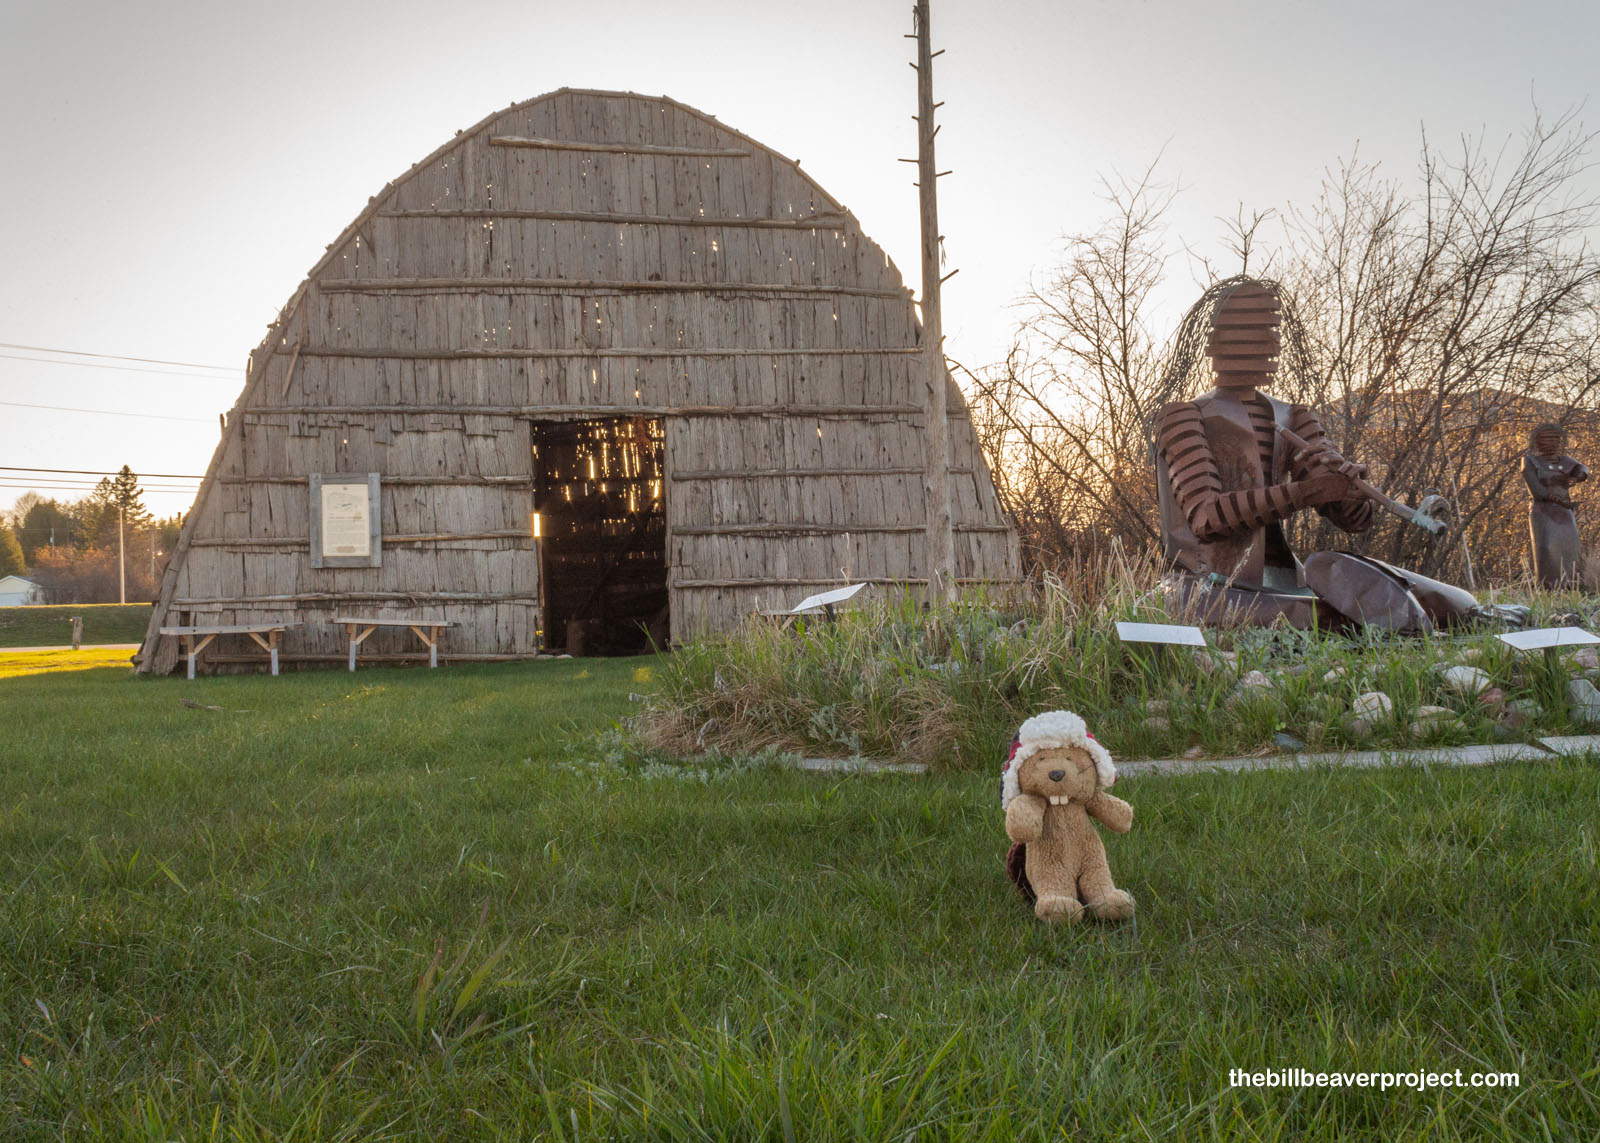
(936, 440)
(122, 562)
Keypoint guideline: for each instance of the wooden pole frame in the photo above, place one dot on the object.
(936, 477)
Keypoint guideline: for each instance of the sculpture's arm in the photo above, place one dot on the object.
(1110, 811)
(1353, 514)
(1530, 476)
(1212, 513)
(1578, 473)
(1025, 818)
(1549, 491)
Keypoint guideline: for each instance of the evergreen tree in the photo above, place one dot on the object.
(45, 525)
(10, 553)
(126, 494)
(116, 499)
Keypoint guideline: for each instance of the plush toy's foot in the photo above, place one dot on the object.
(1116, 905)
(1054, 909)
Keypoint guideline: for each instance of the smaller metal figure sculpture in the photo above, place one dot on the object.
(1557, 553)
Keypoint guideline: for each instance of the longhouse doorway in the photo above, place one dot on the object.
(599, 502)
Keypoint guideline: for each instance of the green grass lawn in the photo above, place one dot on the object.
(50, 626)
(411, 904)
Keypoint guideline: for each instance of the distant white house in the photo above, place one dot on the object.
(18, 592)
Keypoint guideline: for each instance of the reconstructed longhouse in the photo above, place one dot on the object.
(599, 367)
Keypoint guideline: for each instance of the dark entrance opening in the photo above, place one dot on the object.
(600, 514)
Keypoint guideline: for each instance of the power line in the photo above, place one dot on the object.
(104, 365)
(113, 357)
(65, 485)
(105, 412)
(50, 485)
(102, 472)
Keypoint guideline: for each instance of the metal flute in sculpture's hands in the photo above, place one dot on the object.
(1332, 464)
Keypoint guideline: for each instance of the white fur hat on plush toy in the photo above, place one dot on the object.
(1051, 730)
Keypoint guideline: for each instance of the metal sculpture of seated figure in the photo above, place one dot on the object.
(1234, 464)
(1557, 552)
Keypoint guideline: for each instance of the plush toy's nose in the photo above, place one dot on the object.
(1057, 775)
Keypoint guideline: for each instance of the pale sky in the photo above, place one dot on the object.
(173, 169)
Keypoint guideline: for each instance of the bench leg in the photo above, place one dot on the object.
(194, 648)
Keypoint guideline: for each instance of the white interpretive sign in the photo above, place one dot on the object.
(1172, 633)
(346, 521)
(838, 595)
(1544, 638)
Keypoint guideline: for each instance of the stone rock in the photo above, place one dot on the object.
(1585, 659)
(1334, 675)
(1585, 701)
(1255, 687)
(1565, 619)
(1466, 680)
(1431, 720)
(1582, 692)
(1505, 732)
(1470, 655)
(1492, 701)
(1218, 662)
(1194, 752)
(1156, 724)
(1287, 742)
(1372, 706)
(1519, 713)
(1357, 728)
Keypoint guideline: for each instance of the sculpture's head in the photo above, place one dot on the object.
(1244, 342)
(1548, 441)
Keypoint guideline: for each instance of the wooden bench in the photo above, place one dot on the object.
(357, 628)
(197, 637)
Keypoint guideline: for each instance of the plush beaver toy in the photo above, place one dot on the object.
(1052, 785)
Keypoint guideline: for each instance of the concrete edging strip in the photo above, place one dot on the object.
(1580, 744)
(1358, 759)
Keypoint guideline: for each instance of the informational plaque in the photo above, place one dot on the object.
(1170, 633)
(344, 521)
(1546, 638)
(826, 599)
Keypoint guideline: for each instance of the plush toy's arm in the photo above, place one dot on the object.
(1110, 811)
(1025, 818)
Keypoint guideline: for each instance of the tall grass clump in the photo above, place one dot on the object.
(895, 679)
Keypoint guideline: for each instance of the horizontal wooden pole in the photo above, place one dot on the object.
(694, 584)
(401, 354)
(700, 474)
(305, 541)
(829, 221)
(821, 529)
(594, 286)
(583, 411)
(619, 148)
(337, 598)
(520, 481)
